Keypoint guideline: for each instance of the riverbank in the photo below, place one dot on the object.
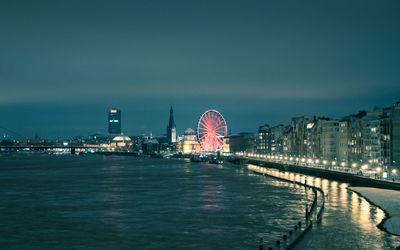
(314, 213)
(345, 177)
(385, 199)
(388, 201)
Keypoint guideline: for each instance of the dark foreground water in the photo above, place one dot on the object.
(114, 202)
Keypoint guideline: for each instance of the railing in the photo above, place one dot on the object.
(363, 170)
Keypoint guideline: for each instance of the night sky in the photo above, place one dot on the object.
(63, 64)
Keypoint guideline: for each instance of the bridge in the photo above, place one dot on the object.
(72, 149)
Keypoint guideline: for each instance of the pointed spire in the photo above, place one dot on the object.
(171, 123)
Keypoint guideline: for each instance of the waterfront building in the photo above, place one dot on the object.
(171, 128)
(355, 143)
(366, 138)
(114, 121)
(121, 143)
(276, 139)
(243, 142)
(395, 134)
(312, 139)
(264, 139)
(286, 140)
(150, 146)
(343, 141)
(190, 144)
(299, 124)
(329, 130)
(225, 145)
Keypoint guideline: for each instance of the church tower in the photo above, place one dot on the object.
(171, 129)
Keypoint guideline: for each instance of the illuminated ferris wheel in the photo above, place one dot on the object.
(211, 130)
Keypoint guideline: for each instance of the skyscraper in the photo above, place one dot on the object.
(114, 121)
(171, 129)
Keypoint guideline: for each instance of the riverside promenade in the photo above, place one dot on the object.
(381, 193)
(313, 211)
(333, 174)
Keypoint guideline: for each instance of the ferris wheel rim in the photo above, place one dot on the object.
(218, 136)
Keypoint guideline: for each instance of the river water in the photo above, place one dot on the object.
(116, 202)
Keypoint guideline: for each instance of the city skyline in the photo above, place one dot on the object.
(257, 62)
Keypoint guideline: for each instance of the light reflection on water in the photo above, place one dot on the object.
(96, 202)
(348, 221)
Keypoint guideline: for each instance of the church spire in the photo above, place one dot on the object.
(171, 123)
(171, 129)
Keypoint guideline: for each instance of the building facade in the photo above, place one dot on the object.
(114, 121)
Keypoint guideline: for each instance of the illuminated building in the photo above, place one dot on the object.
(114, 121)
(121, 143)
(225, 145)
(171, 129)
(190, 143)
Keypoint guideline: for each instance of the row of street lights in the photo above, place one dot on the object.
(303, 161)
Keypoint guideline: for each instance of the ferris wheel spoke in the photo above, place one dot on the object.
(206, 117)
(220, 126)
(209, 116)
(203, 137)
(218, 139)
(213, 114)
(219, 121)
(219, 135)
(204, 124)
(220, 129)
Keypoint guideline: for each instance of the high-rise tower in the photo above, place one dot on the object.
(114, 121)
(171, 129)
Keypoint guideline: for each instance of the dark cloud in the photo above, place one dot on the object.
(69, 61)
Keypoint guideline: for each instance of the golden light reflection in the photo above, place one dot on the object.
(325, 185)
(364, 218)
(186, 168)
(354, 206)
(318, 182)
(364, 205)
(310, 180)
(343, 194)
(379, 215)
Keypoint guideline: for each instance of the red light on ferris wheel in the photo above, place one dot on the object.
(211, 129)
